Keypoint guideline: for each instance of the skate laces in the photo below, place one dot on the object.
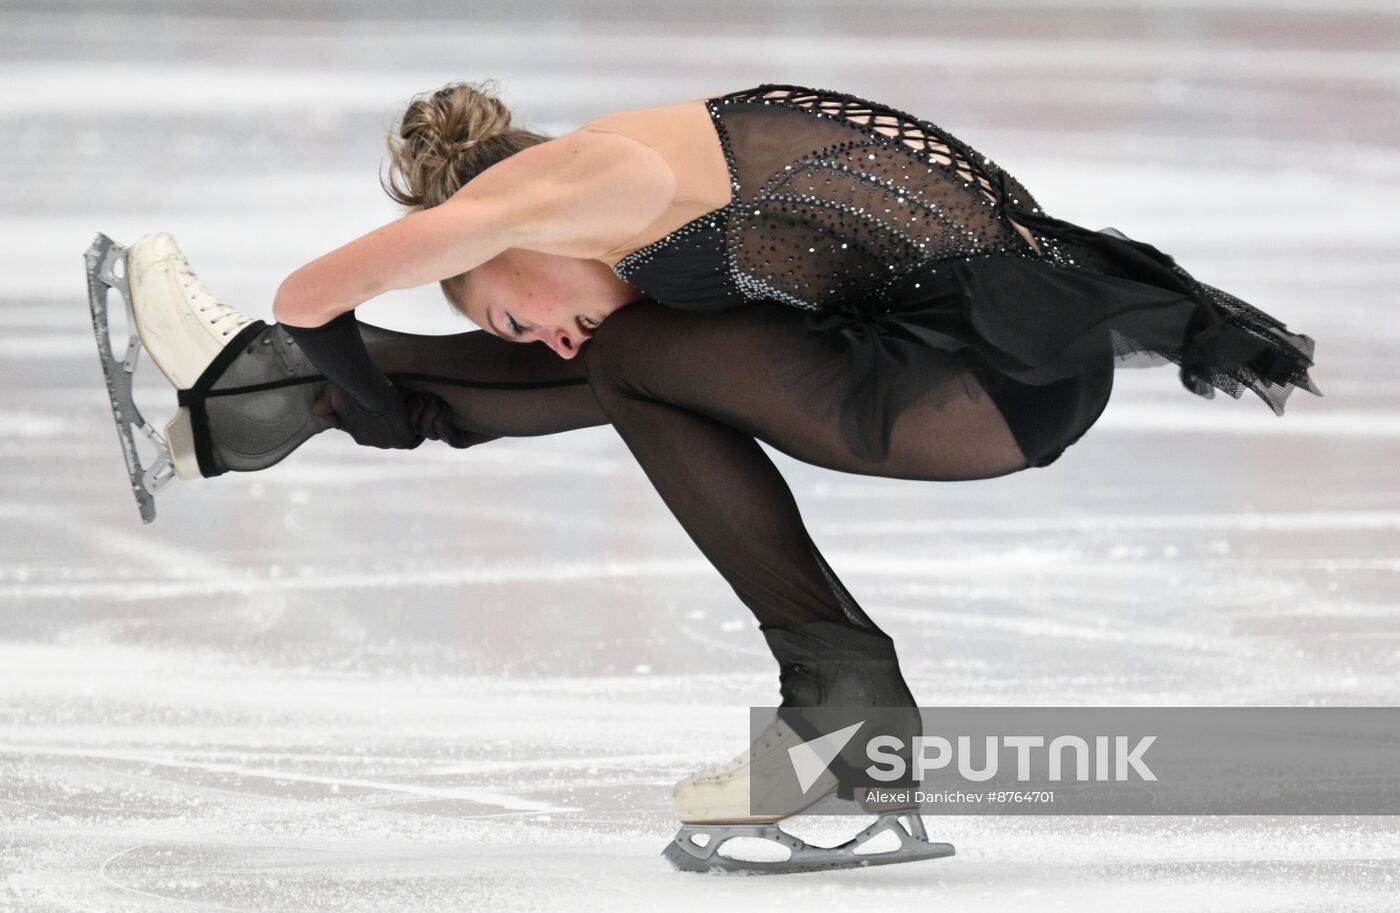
(215, 311)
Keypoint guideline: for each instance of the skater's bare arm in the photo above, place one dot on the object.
(580, 195)
(473, 226)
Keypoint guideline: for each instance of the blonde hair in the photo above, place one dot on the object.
(444, 139)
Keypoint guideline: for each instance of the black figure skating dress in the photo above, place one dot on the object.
(899, 239)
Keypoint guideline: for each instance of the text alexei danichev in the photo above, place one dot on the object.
(958, 797)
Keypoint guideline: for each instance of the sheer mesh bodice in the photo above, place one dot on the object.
(888, 228)
(835, 198)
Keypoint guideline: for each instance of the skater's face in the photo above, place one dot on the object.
(525, 296)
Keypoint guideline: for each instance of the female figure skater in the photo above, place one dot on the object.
(850, 284)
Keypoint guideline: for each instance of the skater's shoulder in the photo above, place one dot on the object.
(578, 195)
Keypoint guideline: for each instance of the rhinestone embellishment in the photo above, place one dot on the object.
(843, 221)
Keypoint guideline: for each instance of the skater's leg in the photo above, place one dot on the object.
(493, 387)
(258, 403)
(249, 397)
(690, 393)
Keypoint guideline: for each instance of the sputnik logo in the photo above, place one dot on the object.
(811, 759)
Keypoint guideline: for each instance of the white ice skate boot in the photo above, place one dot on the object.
(182, 325)
(718, 805)
(724, 793)
(244, 389)
(837, 681)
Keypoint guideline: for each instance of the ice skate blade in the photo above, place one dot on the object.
(106, 270)
(688, 855)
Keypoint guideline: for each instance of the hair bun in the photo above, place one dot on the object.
(445, 138)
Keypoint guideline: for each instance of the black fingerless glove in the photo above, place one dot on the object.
(432, 418)
(368, 404)
(428, 415)
(392, 429)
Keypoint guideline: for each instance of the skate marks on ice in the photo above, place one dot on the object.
(305, 812)
(302, 790)
(1096, 604)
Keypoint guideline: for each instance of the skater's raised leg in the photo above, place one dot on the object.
(249, 397)
(492, 387)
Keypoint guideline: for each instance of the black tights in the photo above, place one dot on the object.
(691, 395)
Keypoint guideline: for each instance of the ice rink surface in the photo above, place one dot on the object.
(465, 680)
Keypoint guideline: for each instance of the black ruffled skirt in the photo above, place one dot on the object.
(1044, 334)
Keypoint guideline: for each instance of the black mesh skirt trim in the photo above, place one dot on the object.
(1040, 326)
(1153, 312)
(930, 346)
(1117, 302)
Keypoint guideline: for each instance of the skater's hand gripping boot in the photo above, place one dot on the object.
(428, 415)
(391, 429)
(431, 417)
(368, 405)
